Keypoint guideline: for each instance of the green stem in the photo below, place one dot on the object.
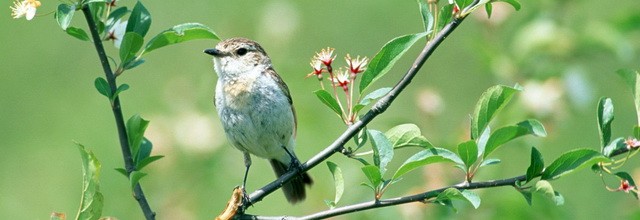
(138, 194)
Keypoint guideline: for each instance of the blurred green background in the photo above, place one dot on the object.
(564, 53)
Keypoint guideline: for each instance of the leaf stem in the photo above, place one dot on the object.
(335, 91)
(138, 194)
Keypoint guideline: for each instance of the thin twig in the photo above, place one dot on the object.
(138, 194)
(352, 130)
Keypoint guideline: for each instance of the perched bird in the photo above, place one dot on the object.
(256, 110)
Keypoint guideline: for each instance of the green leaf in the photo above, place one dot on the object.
(448, 203)
(453, 193)
(407, 135)
(100, 26)
(360, 139)
(147, 160)
(506, 134)
(123, 172)
(131, 44)
(117, 14)
(546, 189)
(338, 181)
(482, 140)
(490, 103)
(425, 157)
(371, 97)
(326, 98)
(136, 126)
(468, 152)
(382, 62)
(103, 87)
(64, 15)
(446, 13)
(144, 151)
(614, 146)
(464, 3)
(368, 185)
(471, 197)
(572, 161)
(605, 117)
(114, 16)
(135, 177)
(489, 8)
(120, 89)
(626, 176)
(636, 132)
(526, 195)
(514, 3)
(488, 162)
(382, 150)
(92, 200)
(97, 11)
(134, 63)
(536, 166)
(180, 33)
(362, 161)
(139, 20)
(77, 33)
(373, 175)
(427, 17)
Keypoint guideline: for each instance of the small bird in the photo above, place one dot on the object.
(256, 110)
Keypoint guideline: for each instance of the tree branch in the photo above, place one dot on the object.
(138, 194)
(376, 110)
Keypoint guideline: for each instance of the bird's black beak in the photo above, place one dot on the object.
(213, 52)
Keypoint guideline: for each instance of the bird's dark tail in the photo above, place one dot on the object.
(294, 189)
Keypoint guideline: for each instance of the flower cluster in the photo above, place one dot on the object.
(24, 8)
(343, 78)
(323, 62)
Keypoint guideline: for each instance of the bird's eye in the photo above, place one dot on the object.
(241, 51)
